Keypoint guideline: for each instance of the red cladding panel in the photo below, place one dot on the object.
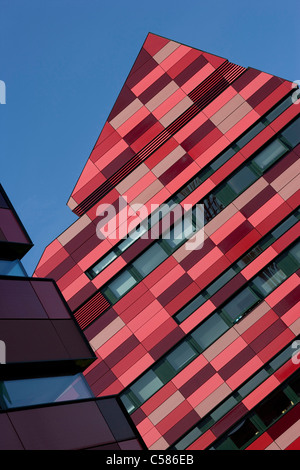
(178, 110)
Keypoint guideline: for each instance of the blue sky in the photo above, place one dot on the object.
(64, 63)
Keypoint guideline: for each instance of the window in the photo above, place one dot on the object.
(209, 331)
(212, 207)
(222, 159)
(181, 356)
(279, 360)
(253, 383)
(188, 439)
(190, 308)
(206, 173)
(286, 225)
(295, 385)
(223, 195)
(243, 433)
(189, 188)
(240, 304)
(276, 405)
(164, 370)
(132, 237)
(269, 155)
(292, 133)
(92, 272)
(250, 256)
(242, 180)
(150, 259)
(123, 282)
(29, 392)
(130, 407)
(224, 408)
(146, 386)
(221, 281)
(12, 268)
(181, 231)
(295, 252)
(250, 135)
(271, 277)
(279, 109)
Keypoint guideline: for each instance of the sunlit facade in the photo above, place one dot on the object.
(200, 345)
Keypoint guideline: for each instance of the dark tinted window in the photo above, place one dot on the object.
(277, 404)
(243, 433)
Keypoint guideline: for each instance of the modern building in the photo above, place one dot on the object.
(45, 401)
(201, 343)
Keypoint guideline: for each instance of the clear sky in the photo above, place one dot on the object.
(64, 63)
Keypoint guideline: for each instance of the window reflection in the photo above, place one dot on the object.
(12, 268)
(270, 154)
(271, 277)
(29, 392)
(235, 185)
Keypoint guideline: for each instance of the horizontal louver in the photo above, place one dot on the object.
(91, 310)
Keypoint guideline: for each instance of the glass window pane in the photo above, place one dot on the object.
(130, 407)
(270, 154)
(242, 180)
(253, 383)
(209, 331)
(284, 226)
(250, 134)
(181, 231)
(269, 279)
(189, 309)
(133, 236)
(295, 252)
(295, 385)
(206, 173)
(163, 370)
(241, 303)
(292, 133)
(102, 264)
(146, 386)
(275, 406)
(188, 439)
(281, 359)
(12, 268)
(189, 188)
(250, 256)
(243, 433)
(279, 109)
(181, 356)
(224, 195)
(224, 444)
(215, 286)
(222, 159)
(150, 259)
(29, 392)
(212, 207)
(122, 284)
(224, 408)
